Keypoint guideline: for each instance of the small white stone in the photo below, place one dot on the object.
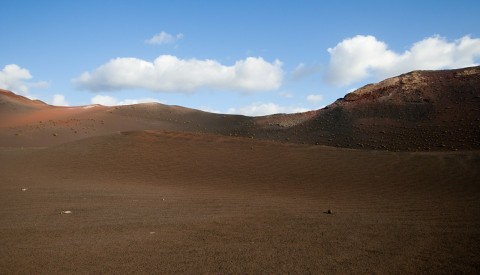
(24, 189)
(66, 212)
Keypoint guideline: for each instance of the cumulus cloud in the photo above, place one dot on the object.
(357, 58)
(112, 101)
(59, 100)
(170, 74)
(15, 78)
(163, 38)
(314, 98)
(261, 109)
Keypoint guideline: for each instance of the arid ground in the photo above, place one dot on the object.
(366, 185)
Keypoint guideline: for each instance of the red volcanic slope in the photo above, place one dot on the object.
(417, 111)
(30, 123)
(12, 102)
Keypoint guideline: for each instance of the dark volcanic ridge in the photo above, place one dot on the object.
(417, 111)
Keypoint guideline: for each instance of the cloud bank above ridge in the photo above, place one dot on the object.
(360, 57)
(168, 73)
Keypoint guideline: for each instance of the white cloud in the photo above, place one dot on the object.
(357, 58)
(163, 38)
(261, 109)
(104, 100)
(59, 100)
(112, 101)
(15, 78)
(314, 98)
(169, 74)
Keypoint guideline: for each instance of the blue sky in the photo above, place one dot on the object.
(247, 57)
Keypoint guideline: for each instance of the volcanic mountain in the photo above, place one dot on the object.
(417, 111)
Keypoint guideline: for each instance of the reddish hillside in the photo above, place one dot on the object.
(10, 102)
(417, 111)
(24, 122)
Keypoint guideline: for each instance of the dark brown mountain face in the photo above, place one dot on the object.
(417, 111)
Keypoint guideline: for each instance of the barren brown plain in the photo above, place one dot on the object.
(164, 189)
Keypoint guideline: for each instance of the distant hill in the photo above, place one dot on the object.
(417, 111)
(11, 102)
(25, 122)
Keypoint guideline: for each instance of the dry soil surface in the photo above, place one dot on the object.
(171, 202)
